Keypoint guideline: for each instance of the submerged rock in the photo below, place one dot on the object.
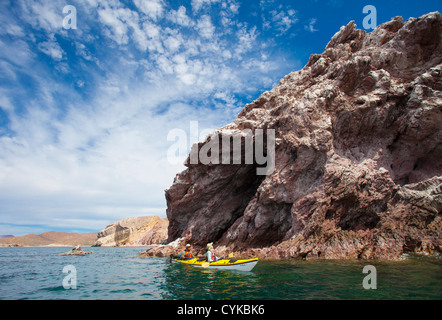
(358, 156)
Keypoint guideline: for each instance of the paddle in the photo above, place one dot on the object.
(205, 264)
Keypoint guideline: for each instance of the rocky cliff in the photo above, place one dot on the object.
(135, 231)
(358, 156)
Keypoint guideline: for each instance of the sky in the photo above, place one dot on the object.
(90, 93)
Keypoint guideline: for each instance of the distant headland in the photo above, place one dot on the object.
(51, 238)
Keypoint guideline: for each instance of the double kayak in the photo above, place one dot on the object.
(222, 264)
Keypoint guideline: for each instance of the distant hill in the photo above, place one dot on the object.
(51, 238)
(3, 236)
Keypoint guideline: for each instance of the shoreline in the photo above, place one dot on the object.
(406, 256)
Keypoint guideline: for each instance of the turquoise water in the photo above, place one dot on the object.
(116, 273)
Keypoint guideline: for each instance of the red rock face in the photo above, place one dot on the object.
(358, 156)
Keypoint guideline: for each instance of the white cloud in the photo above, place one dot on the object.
(205, 27)
(116, 20)
(16, 52)
(311, 25)
(283, 20)
(180, 17)
(5, 103)
(188, 78)
(232, 6)
(84, 52)
(152, 8)
(246, 40)
(139, 36)
(14, 30)
(44, 14)
(52, 48)
(230, 10)
(173, 43)
(164, 64)
(153, 35)
(197, 5)
(278, 18)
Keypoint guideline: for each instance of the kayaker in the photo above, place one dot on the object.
(210, 254)
(187, 254)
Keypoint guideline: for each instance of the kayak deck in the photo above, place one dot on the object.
(223, 264)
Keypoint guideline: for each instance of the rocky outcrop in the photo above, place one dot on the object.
(358, 156)
(76, 251)
(135, 231)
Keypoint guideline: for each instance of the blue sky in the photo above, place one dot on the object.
(85, 113)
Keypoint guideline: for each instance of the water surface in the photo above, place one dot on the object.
(116, 273)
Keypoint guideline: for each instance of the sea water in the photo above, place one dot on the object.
(117, 273)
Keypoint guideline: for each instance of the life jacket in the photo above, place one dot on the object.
(188, 255)
(212, 256)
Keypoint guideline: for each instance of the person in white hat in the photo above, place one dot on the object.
(210, 254)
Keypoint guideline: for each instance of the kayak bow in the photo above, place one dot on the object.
(223, 264)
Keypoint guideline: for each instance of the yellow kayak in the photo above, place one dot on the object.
(223, 264)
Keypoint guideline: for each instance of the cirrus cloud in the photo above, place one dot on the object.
(86, 113)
